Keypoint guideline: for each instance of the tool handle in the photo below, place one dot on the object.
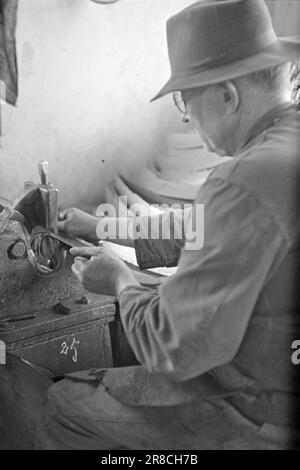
(21, 318)
(43, 172)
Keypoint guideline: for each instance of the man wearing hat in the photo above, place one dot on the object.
(214, 340)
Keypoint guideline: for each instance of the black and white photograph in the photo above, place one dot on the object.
(149, 228)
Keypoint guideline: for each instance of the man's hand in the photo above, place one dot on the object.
(101, 271)
(79, 224)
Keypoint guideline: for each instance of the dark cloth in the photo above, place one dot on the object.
(8, 59)
(214, 340)
(158, 252)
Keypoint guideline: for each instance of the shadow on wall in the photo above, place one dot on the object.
(86, 75)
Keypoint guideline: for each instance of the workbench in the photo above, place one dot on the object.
(87, 333)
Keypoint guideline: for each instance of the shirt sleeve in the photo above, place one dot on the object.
(196, 319)
(160, 239)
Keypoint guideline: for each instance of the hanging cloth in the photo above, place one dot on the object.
(8, 59)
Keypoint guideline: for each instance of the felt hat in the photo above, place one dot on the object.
(214, 41)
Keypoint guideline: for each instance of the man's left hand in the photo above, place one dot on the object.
(101, 271)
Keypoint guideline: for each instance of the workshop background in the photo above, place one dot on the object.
(86, 75)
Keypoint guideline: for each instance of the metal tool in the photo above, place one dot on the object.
(43, 171)
(30, 316)
(36, 209)
(5, 323)
(49, 196)
(46, 254)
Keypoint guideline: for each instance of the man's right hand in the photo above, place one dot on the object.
(77, 223)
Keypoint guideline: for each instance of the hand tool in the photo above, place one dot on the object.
(5, 322)
(36, 209)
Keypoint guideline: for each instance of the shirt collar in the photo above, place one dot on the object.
(267, 121)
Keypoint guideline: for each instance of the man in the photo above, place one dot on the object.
(214, 340)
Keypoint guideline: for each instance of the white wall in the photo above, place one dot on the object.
(86, 75)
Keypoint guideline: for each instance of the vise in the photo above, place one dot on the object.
(36, 210)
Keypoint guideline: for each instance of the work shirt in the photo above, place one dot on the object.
(230, 312)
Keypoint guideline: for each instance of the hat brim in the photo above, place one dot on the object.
(284, 50)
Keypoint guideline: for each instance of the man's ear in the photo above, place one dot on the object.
(231, 97)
